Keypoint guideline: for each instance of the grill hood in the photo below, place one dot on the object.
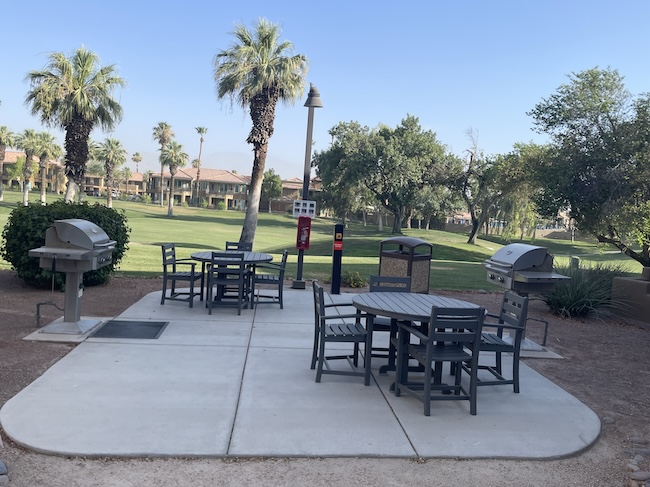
(520, 256)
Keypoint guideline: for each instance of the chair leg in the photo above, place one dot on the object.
(321, 359)
(314, 353)
(515, 372)
(426, 392)
(497, 366)
(473, 385)
(164, 291)
(280, 295)
(191, 297)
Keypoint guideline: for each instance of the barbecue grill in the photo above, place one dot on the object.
(523, 268)
(74, 246)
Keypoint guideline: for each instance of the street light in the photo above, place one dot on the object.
(313, 101)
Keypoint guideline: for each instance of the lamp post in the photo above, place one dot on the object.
(313, 101)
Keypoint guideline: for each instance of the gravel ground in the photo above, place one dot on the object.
(604, 365)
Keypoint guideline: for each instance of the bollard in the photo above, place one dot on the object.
(337, 254)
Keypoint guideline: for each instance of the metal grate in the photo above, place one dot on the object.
(131, 329)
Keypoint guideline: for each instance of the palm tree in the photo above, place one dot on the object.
(201, 131)
(29, 143)
(162, 133)
(113, 155)
(137, 158)
(256, 72)
(174, 157)
(75, 94)
(7, 139)
(48, 149)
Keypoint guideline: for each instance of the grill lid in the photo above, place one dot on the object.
(520, 256)
(77, 233)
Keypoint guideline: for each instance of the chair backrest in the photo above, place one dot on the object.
(319, 302)
(227, 263)
(390, 284)
(168, 256)
(283, 263)
(514, 309)
(243, 246)
(456, 325)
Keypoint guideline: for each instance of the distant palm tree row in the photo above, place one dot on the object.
(75, 94)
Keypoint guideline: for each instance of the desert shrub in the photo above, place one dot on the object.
(146, 199)
(25, 230)
(352, 279)
(588, 292)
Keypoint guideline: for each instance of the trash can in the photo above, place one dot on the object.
(407, 257)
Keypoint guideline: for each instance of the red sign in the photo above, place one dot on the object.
(338, 244)
(304, 228)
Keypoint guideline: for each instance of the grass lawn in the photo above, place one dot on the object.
(455, 264)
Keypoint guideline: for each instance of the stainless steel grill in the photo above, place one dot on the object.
(74, 246)
(523, 268)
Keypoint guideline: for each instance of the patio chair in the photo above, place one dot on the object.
(243, 246)
(271, 274)
(331, 326)
(226, 271)
(512, 319)
(179, 270)
(383, 323)
(453, 335)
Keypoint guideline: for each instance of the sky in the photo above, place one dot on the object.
(458, 66)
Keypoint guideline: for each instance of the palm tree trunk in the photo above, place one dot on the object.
(43, 170)
(170, 203)
(252, 209)
(162, 188)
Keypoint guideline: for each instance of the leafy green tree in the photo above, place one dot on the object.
(113, 155)
(122, 176)
(76, 94)
(256, 72)
(163, 134)
(174, 157)
(486, 180)
(201, 131)
(29, 143)
(271, 186)
(7, 139)
(48, 149)
(599, 164)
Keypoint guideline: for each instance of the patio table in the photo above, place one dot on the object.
(401, 306)
(250, 259)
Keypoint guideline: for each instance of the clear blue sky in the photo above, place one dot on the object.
(455, 65)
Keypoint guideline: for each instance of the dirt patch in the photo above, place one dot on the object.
(604, 365)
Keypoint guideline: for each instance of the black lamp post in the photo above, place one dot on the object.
(313, 101)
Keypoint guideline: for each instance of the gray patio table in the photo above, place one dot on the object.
(250, 259)
(402, 307)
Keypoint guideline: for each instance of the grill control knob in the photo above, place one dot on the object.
(491, 276)
(501, 279)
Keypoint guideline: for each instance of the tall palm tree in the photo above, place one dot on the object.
(201, 131)
(256, 72)
(162, 133)
(174, 157)
(7, 139)
(113, 155)
(137, 158)
(29, 143)
(48, 149)
(76, 94)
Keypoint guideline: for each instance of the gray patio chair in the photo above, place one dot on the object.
(179, 270)
(331, 326)
(453, 335)
(243, 246)
(383, 323)
(226, 271)
(271, 274)
(511, 319)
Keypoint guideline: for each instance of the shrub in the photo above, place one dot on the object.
(146, 199)
(588, 291)
(25, 230)
(221, 206)
(352, 279)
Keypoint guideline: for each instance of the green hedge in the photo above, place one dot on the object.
(25, 230)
